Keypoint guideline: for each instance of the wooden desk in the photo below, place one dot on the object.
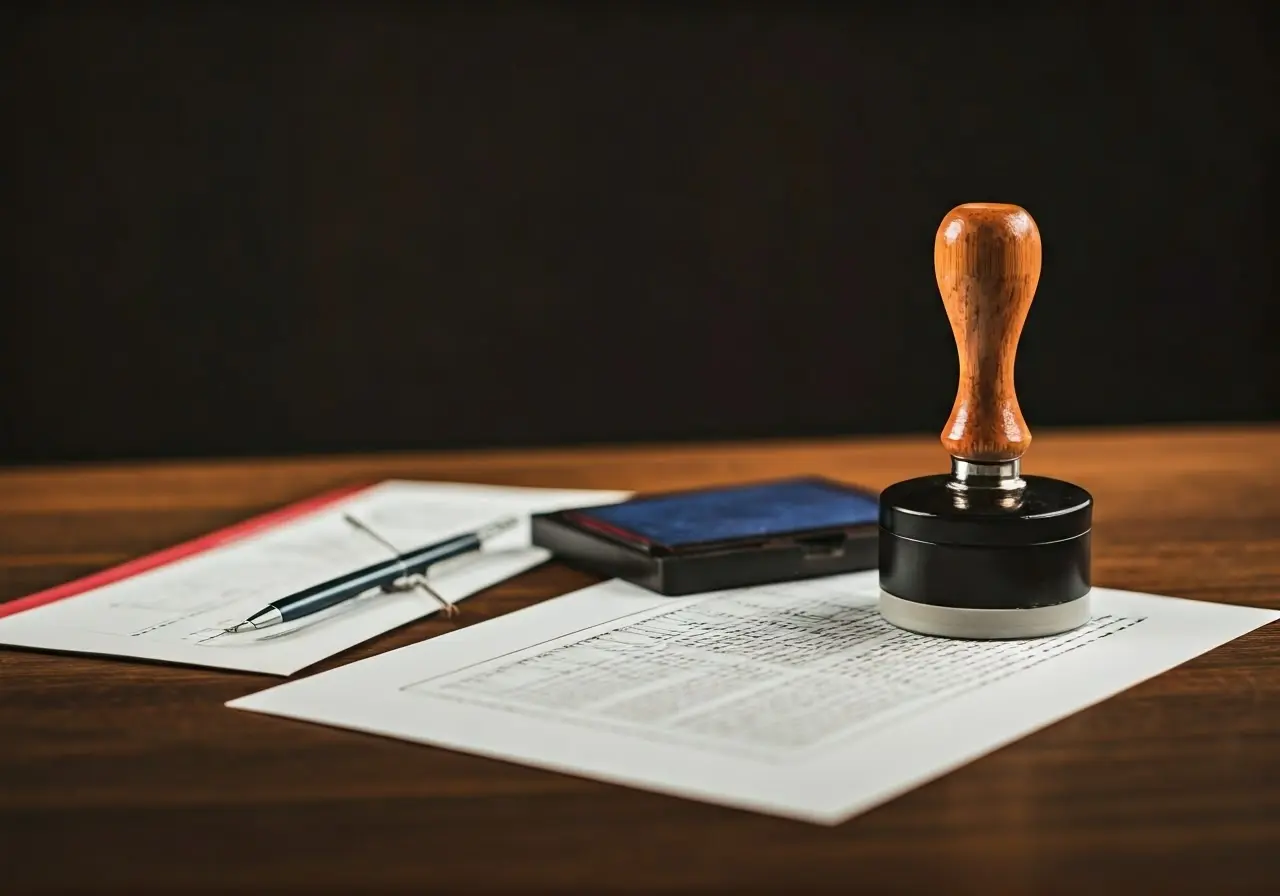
(129, 777)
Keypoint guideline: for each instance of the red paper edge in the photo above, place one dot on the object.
(165, 556)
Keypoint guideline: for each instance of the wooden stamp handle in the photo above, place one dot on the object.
(987, 260)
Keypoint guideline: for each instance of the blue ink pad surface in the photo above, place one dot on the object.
(759, 510)
(728, 536)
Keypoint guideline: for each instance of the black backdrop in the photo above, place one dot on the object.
(277, 228)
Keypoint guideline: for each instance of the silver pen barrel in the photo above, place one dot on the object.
(497, 528)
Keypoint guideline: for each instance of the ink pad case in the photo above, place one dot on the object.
(731, 536)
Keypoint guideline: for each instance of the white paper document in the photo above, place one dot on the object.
(178, 612)
(796, 700)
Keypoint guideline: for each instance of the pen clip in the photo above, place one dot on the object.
(410, 581)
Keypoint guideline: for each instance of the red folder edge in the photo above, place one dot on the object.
(198, 545)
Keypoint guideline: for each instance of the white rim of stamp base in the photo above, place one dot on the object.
(984, 624)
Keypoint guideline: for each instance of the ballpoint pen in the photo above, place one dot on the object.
(403, 566)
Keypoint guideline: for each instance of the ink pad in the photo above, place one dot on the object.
(730, 536)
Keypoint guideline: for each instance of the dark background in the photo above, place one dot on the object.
(279, 228)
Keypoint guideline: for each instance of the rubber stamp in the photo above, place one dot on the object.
(985, 551)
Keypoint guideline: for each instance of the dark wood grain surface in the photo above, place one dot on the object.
(117, 776)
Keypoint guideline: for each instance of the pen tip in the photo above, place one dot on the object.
(241, 627)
